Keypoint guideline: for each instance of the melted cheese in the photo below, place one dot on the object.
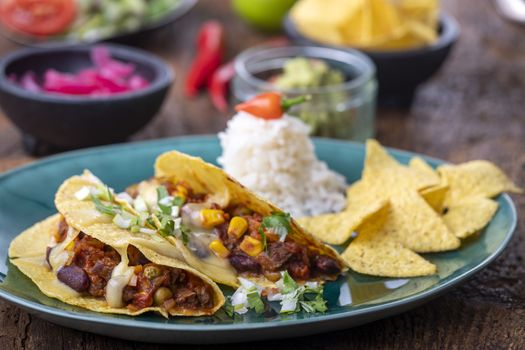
(120, 278)
(59, 256)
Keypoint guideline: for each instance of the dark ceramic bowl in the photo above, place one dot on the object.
(54, 122)
(399, 73)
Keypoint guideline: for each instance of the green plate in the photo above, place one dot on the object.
(26, 196)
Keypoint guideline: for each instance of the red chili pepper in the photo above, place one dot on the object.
(209, 56)
(269, 105)
(218, 84)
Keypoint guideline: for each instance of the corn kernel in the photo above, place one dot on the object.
(219, 249)
(70, 246)
(251, 246)
(182, 190)
(238, 226)
(212, 217)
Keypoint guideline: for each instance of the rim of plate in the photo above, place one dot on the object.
(137, 323)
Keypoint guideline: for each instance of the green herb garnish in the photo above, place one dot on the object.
(185, 233)
(103, 208)
(296, 298)
(254, 300)
(278, 223)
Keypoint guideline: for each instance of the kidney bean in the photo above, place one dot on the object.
(244, 263)
(326, 265)
(74, 277)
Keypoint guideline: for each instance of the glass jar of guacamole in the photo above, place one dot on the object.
(341, 84)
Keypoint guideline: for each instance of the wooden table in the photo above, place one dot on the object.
(475, 108)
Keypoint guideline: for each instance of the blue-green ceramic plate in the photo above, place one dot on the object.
(26, 196)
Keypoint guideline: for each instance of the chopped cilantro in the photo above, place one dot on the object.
(278, 223)
(103, 208)
(185, 233)
(178, 201)
(308, 297)
(228, 307)
(254, 301)
(289, 284)
(162, 192)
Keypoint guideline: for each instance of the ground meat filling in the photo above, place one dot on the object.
(165, 286)
(301, 263)
(89, 270)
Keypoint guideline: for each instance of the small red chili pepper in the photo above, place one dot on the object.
(269, 105)
(210, 42)
(218, 84)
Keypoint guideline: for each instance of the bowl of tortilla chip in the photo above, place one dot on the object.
(407, 42)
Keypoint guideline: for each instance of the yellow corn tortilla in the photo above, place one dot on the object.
(375, 252)
(22, 254)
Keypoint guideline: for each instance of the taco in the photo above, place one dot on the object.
(216, 225)
(103, 273)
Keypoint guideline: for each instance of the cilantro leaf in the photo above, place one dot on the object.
(278, 223)
(289, 284)
(103, 208)
(162, 192)
(178, 201)
(168, 227)
(185, 233)
(228, 307)
(254, 301)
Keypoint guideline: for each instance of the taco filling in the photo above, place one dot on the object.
(95, 269)
(253, 244)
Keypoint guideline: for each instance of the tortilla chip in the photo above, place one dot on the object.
(417, 226)
(381, 170)
(469, 215)
(338, 228)
(375, 252)
(435, 196)
(420, 165)
(476, 178)
(412, 221)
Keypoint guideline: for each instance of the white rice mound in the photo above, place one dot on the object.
(276, 159)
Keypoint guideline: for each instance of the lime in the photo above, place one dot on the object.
(266, 15)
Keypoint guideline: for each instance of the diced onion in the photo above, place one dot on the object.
(140, 205)
(147, 231)
(121, 221)
(177, 222)
(166, 201)
(83, 193)
(125, 197)
(274, 297)
(312, 285)
(175, 211)
(289, 303)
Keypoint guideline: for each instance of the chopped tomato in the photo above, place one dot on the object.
(38, 17)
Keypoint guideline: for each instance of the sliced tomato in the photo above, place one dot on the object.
(38, 17)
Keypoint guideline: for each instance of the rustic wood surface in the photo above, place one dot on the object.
(473, 109)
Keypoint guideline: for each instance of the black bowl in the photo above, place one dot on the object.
(399, 73)
(54, 122)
